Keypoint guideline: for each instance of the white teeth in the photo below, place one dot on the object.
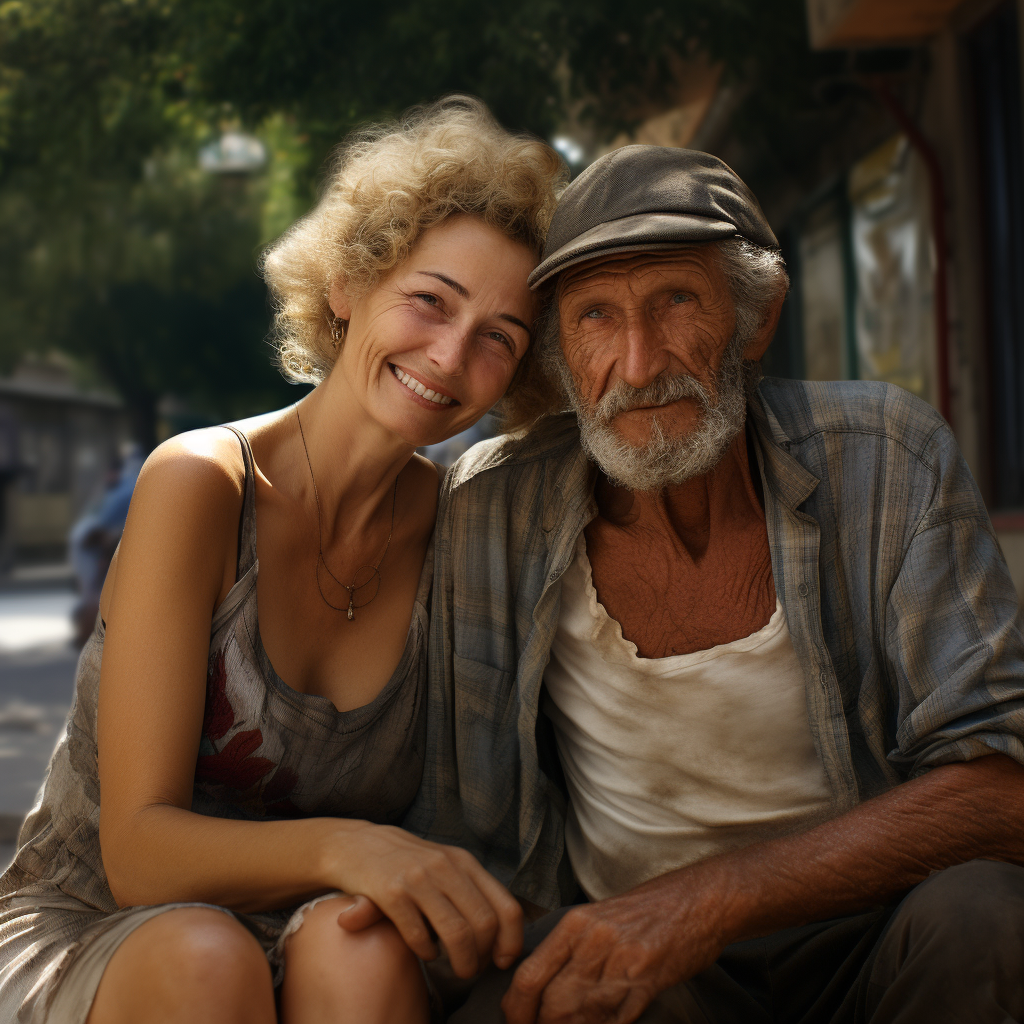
(421, 389)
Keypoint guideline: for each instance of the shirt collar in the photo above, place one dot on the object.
(789, 482)
(572, 478)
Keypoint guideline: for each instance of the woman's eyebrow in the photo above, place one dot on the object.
(454, 285)
(514, 320)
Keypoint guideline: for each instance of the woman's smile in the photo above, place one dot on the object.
(428, 392)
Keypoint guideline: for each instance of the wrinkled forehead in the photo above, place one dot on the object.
(634, 269)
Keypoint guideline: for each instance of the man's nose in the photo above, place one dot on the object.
(642, 357)
(449, 350)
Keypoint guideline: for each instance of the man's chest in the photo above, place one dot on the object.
(670, 602)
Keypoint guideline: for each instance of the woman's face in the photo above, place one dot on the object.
(434, 346)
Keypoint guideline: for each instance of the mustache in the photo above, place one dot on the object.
(665, 389)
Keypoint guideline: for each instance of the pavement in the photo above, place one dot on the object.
(37, 672)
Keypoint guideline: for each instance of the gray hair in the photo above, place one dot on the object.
(756, 277)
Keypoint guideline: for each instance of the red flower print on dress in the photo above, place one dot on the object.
(234, 765)
(218, 715)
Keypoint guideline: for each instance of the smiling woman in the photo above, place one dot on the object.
(251, 702)
(445, 330)
(387, 185)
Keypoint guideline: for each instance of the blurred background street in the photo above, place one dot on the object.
(37, 663)
(149, 150)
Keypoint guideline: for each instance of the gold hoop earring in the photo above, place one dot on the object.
(338, 328)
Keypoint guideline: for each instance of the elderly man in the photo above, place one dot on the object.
(760, 634)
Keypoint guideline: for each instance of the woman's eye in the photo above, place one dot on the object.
(431, 300)
(499, 337)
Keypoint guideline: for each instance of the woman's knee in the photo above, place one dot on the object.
(192, 964)
(379, 948)
(372, 972)
(204, 945)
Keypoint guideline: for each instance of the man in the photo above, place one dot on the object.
(761, 635)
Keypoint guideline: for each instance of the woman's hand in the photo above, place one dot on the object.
(359, 913)
(428, 890)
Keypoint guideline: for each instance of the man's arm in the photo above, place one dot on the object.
(606, 961)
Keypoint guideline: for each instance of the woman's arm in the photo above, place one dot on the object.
(176, 561)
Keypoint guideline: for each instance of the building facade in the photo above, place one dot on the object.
(60, 442)
(908, 259)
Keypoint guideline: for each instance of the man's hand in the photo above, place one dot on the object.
(606, 961)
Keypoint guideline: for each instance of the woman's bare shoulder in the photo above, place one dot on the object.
(184, 511)
(200, 465)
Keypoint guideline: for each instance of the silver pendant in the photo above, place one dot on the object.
(351, 613)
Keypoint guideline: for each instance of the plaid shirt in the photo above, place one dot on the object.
(899, 603)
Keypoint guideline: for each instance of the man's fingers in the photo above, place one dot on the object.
(360, 913)
(522, 1001)
(637, 1000)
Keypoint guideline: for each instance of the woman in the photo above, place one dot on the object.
(250, 703)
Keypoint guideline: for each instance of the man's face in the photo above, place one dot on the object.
(632, 319)
(653, 364)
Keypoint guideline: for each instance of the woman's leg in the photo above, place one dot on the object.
(367, 977)
(187, 966)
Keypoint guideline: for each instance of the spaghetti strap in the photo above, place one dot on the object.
(247, 520)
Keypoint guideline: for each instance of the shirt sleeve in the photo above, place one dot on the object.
(953, 631)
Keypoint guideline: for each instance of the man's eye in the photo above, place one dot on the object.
(593, 314)
(679, 298)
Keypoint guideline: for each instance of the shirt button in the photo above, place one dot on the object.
(802, 590)
(823, 677)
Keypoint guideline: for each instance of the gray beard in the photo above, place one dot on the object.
(664, 460)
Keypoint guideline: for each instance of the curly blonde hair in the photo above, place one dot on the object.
(388, 184)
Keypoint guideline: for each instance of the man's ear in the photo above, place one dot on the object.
(758, 345)
(339, 301)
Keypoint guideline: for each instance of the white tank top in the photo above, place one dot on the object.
(671, 760)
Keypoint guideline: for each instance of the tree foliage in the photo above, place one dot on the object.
(115, 247)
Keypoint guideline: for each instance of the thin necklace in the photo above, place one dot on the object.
(374, 569)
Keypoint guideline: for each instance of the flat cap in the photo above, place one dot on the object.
(647, 198)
